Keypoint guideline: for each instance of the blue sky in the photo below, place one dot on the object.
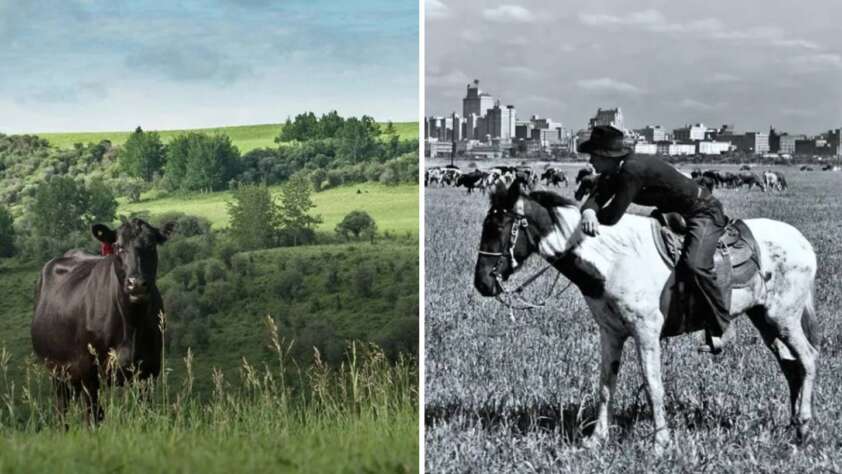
(71, 65)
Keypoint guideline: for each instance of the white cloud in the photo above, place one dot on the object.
(796, 43)
(520, 71)
(817, 62)
(723, 77)
(508, 14)
(654, 21)
(435, 9)
(449, 79)
(647, 17)
(695, 105)
(472, 36)
(545, 100)
(607, 84)
(802, 113)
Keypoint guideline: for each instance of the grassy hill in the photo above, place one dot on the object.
(245, 137)
(394, 208)
(323, 304)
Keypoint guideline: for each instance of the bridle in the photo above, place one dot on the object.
(520, 221)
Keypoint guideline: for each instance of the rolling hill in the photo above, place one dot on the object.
(394, 208)
(245, 137)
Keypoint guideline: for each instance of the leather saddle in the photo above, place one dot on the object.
(736, 263)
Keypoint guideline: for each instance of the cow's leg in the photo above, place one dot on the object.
(649, 352)
(64, 395)
(611, 348)
(90, 392)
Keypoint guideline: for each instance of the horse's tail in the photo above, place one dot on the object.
(808, 320)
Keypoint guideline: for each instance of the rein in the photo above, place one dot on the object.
(511, 298)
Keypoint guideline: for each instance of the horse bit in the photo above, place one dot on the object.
(520, 221)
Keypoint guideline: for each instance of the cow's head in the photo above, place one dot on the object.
(135, 245)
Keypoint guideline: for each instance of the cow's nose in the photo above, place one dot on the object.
(135, 283)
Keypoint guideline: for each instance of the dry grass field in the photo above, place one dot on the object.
(519, 397)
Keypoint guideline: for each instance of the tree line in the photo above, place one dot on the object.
(329, 150)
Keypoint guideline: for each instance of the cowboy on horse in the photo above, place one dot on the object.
(626, 178)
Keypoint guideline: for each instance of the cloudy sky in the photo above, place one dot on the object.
(72, 65)
(753, 63)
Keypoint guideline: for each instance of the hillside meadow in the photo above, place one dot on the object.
(504, 396)
(394, 208)
(288, 359)
(245, 137)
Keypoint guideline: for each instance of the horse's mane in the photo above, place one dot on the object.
(550, 199)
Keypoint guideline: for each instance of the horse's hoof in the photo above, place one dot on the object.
(802, 433)
(662, 442)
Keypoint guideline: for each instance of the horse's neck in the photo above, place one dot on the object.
(631, 236)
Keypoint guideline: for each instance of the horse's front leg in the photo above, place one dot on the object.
(612, 349)
(649, 351)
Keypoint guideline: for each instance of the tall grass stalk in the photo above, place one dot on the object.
(360, 416)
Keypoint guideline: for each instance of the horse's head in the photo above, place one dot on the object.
(506, 239)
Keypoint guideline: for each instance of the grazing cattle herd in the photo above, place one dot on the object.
(443, 176)
(586, 179)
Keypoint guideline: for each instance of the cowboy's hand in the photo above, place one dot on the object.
(590, 224)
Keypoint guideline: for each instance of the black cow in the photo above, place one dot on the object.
(706, 181)
(89, 306)
(750, 179)
(474, 179)
(554, 176)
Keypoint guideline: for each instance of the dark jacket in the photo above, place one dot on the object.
(647, 181)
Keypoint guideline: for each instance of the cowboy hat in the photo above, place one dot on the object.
(605, 140)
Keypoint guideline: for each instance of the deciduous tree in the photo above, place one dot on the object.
(296, 222)
(254, 217)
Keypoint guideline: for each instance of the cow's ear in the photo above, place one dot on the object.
(103, 233)
(166, 232)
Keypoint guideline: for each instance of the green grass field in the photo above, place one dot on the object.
(245, 137)
(277, 414)
(359, 418)
(503, 396)
(394, 208)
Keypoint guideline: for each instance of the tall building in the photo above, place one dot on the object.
(476, 101)
(750, 142)
(834, 139)
(653, 134)
(523, 130)
(690, 133)
(774, 140)
(786, 143)
(471, 127)
(501, 121)
(608, 117)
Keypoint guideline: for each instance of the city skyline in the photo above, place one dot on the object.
(92, 65)
(665, 64)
